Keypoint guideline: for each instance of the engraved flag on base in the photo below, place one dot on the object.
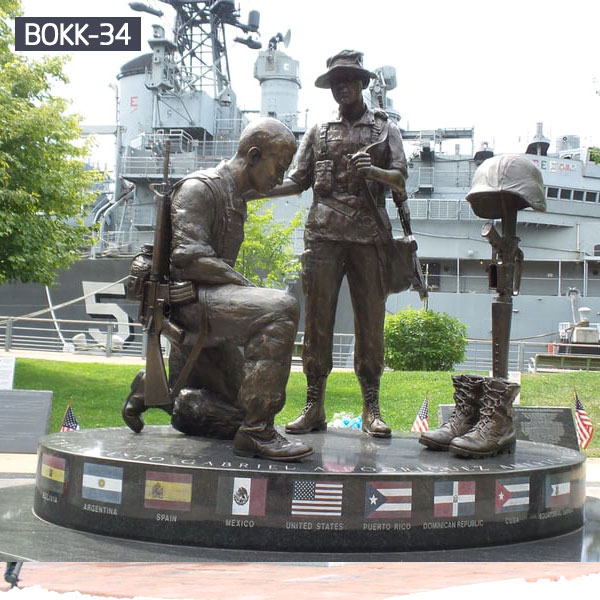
(558, 490)
(454, 498)
(388, 499)
(317, 498)
(102, 483)
(242, 496)
(168, 491)
(512, 495)
(53, 473)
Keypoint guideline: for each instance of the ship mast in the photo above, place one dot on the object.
(199, 36)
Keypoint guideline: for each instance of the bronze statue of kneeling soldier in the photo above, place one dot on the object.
(231, 342)
(481, 424)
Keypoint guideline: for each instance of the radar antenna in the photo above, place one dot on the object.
(200, 40)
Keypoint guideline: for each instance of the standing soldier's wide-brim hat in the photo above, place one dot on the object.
(347, 63)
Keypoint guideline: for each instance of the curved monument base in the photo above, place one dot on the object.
(355, 494)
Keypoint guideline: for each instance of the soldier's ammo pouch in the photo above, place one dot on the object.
(139, 273)
(323, 177)
(180, 292)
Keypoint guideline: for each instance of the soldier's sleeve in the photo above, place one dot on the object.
(397, 158)
(304, 163)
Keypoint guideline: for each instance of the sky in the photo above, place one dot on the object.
(499, 67)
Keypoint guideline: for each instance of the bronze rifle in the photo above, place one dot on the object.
(155, 303)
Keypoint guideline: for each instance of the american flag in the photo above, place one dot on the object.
(422, 419)
(585, 429)
(317, 498)
(69, 421)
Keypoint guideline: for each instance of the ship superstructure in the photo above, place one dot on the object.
(181, 90)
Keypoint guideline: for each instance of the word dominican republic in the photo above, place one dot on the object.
(78, 33)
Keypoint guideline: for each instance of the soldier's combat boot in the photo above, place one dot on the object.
(372, 422)
(134, 404)
(266, 442)
(468, 390)
(494, 432)
(313, 416)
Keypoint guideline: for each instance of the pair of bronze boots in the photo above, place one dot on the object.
(313, 416)
(482, 422)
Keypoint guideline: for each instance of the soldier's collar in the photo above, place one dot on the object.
(367, 118)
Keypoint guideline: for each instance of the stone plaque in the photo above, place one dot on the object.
(7, 372)
(543, 424)
(24, 418)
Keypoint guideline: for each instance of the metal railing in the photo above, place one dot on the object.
(94, 337)
(69, 335)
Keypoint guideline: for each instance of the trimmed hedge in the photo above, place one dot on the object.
(420, 340)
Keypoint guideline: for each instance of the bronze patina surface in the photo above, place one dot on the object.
(232, 342)
(349, 162)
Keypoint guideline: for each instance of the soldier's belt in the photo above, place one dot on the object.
(338, 206)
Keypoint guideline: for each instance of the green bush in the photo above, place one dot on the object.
(420, 340)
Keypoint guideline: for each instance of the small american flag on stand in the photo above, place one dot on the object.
(583, 425)
(422, 419)
(69, 421)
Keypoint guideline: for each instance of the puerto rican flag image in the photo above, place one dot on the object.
(454, 498)
(388, 499)
(512, 495)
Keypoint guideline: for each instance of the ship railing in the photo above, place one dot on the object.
(121, 242)
(201, 156)
(439, 209)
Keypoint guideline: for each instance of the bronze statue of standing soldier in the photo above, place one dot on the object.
(348, 162)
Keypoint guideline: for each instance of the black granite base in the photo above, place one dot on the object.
(355, 494)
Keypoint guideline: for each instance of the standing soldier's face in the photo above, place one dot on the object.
(346, 91)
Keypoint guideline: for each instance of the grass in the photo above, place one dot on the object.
(98, 392)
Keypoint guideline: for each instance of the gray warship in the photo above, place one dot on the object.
(181, 90)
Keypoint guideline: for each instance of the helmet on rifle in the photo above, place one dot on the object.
(506, 179)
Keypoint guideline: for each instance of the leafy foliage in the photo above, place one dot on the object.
(266, 257)
(595, 154)
(43, 183)
(420, 340)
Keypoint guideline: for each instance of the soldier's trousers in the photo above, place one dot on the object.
(248, 338)
(324, 265)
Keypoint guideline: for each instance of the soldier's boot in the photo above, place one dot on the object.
(372, 422)
(468, 390)
(494, 433)
(262, 441)
(313, 416)
(135, 405)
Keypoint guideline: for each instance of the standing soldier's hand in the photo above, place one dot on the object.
(361, 163)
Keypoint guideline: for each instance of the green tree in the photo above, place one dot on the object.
(420, 340)
(595, 154)
(43, 184)
(266, 257)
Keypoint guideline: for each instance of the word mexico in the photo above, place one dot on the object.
(78, 33)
